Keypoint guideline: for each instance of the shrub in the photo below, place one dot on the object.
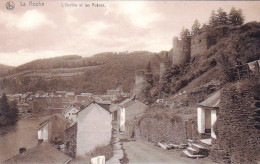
(102, 150)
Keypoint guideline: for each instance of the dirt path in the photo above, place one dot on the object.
(143, 152)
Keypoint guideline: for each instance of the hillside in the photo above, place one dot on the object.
(73, 73)
(5, 68)
(222, 60)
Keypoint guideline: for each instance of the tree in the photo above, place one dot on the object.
(4, 105)
(213, 19)
(148, 74)
(148, 84)
(235, 17)
(195, 27)
(184, 33)
(13, 113)
(222, 17)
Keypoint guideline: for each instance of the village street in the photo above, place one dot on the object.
(138, 151)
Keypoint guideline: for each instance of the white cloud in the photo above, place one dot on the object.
(139, 13)
(30, 20)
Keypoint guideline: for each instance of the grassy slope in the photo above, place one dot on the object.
(242, 43)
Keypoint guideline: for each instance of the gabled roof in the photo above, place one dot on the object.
(51, 118)
(126, 103)
(212, 101)
(42, 153)
(70, 107)
(253, 64)
(101, 105)
(113, 108)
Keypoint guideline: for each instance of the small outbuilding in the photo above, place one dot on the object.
(207, 116)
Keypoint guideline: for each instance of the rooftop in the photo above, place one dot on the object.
(42, 153)
(212, 101)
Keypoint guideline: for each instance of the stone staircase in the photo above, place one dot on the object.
(196, 150)
(118, 152)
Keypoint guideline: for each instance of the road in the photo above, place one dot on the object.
(140, 152)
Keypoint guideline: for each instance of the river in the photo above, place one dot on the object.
(22, 134)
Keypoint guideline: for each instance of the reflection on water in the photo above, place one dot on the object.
(23, 134)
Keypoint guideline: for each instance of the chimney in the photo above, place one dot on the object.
(21, 150)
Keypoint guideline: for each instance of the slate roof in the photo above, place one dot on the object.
(212, 101)
(70, 107)
(252, 64)
(50, 118)
(126, 103)
(42, 153)
(104, 106)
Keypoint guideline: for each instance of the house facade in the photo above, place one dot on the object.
(128, 110)
(94, 128)
(52, 129)
(207, 115)
(70, 113)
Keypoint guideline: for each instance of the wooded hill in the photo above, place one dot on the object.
(5, 68)
(73, 73)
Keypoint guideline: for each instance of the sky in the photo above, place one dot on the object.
(28, 33)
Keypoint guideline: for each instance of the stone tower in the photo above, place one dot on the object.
(139, 84)
(181, 51)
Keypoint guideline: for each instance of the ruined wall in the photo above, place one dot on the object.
(181, 51)
(199, 44)
(236, 127)
(139, 84)
(162, 70)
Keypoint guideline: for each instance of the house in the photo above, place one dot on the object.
(42, 153)
(254, 66)
(83, 98)
(62, 93)
(70, 96)
(207, 116)
(71, 113)
(52, 129)
(86, 94)
(25, 97)
(17, 97)
(54, 101)
(94, 128)
(23, 107)
(127, 110)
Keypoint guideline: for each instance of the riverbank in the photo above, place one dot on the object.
(22, 134)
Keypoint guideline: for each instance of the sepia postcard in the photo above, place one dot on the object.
(129, 82)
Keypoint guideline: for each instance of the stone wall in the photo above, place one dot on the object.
(161, 128)
(236, 127)
(139, 84)
(199, 44)
(162, 70)
(71, 141)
